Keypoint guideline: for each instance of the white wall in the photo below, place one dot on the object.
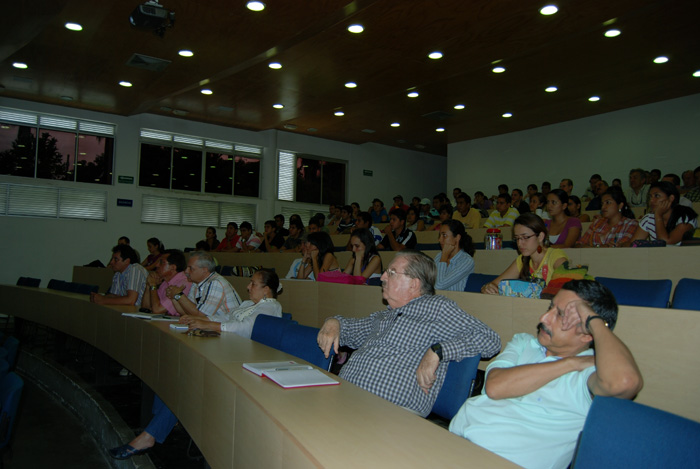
(664, 135)
(49, 248)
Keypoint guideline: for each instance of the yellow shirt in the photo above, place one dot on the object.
(546, 268)
(471, 220)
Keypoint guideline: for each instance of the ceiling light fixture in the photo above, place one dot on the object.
(278, 106)
(356, 28)
(459, 107)
(435, 55)
(661, 59)
(548, 10)
(612, 33)
(351, 84)
(185, 53)
(275, 65)
(551, 89)
(508, 114)
(413, 94)
(255, 6)
(395, 124)
(339, 113)
(20, 65)
(207, 91)
(125, 84)
(73, 26)
(593, 99)
(440, 129)
(498, 69)
(696, 74)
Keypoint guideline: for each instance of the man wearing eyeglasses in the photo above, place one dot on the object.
(403, 352)
(539, 389)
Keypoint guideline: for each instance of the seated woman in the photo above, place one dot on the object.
(317, 256)
(155, 250)
(378, 212)
(355, 210)
(668, 221)
(365, 260)
(454, 263)
(537, 203)
(413, 221)
(210, 238)
(445, 215)
(615, 227)
(563, 230)
(262, 289)
(536, 262)
(575, 209)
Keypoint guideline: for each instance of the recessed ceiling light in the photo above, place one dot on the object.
(435, 55)
(125, 84)
(67, 98)
(255, 6)
(278, 106)
(207, 91)
(549, 10)
(339, 113)
(413, 94)
(696, 74)
(356, 28)
(73, 26)
(593, 99)
(351, 84)
(275, 65)
(508, 114)
(185, 53)
(551, 89)
(612, 33)
(21, 65)
(440, 129)
(498, 69)
(459, 107)
(395, 124)
(661, 59)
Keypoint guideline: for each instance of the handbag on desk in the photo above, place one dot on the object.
(519, 288)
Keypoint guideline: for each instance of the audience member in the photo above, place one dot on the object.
(567, 185)
(317, 256)
(454, 261)
(202, 246)
(333, 215)
(470, 217)
(504, 215)
(455, 193)
(655, 176)
(398, 204)
(615, 227)
(517, 201)
(425, 212)
(668, 220)
(170, 272)
(563, 229)
(413, 221)
(321, 218)
(689, 181)
(617, 182)
(694, 195)
(127, 241)
(279, 225)
(211, 239)
(482, 204)
(590, 191)
(445, 215)
(638, 192)
(355, 210)
(676, 181)
(365, 260)
(295, 238)
(403, 352)
(537, 205)
(155, 250)
(271, 240)
(378, 212)
(415, 202)
(597, 202)
(248, 242)
(539, 389)
(396, 236)
(536, 262)
(129, 279)
(546, 187)
(228, 244)
(314, 225)
(364, 221)
(346, 221)
(531, 190)
(502, 189)
(575, 209)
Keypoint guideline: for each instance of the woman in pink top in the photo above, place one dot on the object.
(563, 230)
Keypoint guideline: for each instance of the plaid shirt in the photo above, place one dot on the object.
(600, 233)
(214, 297)
(392, 343)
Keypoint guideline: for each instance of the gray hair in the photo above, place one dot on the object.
(421, 267)
(204, 259)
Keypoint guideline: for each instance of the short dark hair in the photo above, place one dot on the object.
(347, 208)
(271, 223)
(270, 279)
(125, 239)
(365, 217)
(505, 196)
(674, 177)
(466, 197)
(176, 258)
(531, 186)
(655, 171)
(202, 246)
(314, 221)
(233, 224)
(126, 252)
(547, 183)
(246, 226)
(568, 182)
(641, 172)
(595, 176)
(597, 296)
(518, 191)
(447, 208)
(297, 223)
(279, 216)
(400, 214)
(504, 187)
(479, 193)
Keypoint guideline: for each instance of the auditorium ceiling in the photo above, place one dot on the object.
(233, 48)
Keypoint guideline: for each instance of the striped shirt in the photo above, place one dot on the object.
(214, 297)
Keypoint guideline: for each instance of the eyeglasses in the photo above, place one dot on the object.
(392, 273)
(522, 238)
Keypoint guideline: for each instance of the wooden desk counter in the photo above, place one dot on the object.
(239, 419)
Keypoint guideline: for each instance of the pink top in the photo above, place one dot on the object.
(178, 280)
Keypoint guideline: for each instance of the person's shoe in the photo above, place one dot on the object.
(124, 372)
(126, 451)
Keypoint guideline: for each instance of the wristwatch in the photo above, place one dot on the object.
(177, 296)
(595, 316)
(437, 348)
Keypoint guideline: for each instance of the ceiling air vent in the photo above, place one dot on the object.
(437, 115)
(148, 63)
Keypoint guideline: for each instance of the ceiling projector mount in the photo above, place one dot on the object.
(152, 16)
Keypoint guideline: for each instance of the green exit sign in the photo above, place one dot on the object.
(126, 179)
(367, 172)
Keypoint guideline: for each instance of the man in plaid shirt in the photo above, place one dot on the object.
(403, 352)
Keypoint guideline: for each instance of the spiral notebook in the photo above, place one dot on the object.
(290, 374)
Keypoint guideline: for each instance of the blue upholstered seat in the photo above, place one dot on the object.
(10, 392)
(268, 330)
(300, 341)
(476, 281)
(631, 292)
(687, 294)
(457, 387)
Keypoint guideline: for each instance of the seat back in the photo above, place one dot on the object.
(4, 368)
(28, 282)
(300, 341)
(55, 284)
(476, 281)
(687, 294)
(457, 387)
(649, 293)
(620, 433)
(268, 330)
(10, 392)
(11, 344)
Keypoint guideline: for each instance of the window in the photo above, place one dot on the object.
(189, 212)
(310, 179)
(58, 148)
(180, 162)
(52, 202)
